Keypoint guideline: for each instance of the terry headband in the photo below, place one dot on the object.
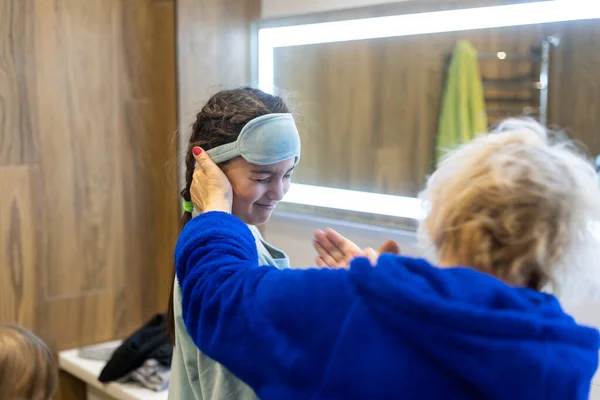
(265, 140)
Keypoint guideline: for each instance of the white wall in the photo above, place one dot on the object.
(589, 314)
(595, 394)
(286, 8)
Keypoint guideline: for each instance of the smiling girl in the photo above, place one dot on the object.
(252, 136)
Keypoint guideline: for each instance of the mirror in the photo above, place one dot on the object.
(369, 109)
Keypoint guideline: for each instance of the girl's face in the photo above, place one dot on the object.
(257, 188)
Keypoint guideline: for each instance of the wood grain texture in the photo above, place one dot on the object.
(213, 52)
(164, 151)
(124, 213)
(16, 136)
(18, 258)
(78, 133)
(70, 388)
(575, 83)
(151, 204)
(88, 199)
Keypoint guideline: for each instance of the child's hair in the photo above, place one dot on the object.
(518, 204)
(28, 370)
(220, 122)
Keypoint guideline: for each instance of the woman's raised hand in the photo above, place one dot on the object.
(335, 250)
(210, 190)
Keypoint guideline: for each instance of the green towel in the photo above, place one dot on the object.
(463, 104)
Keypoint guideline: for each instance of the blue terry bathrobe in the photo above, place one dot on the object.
(403, 329)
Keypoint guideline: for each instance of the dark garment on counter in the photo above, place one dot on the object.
(148, 342)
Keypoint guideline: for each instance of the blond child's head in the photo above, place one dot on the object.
(28, 369)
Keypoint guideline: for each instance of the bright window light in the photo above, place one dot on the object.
(393, 26)
(351, 200)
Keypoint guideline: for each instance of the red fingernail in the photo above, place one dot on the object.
(197, 151)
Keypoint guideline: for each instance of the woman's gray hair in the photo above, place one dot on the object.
(521, 203)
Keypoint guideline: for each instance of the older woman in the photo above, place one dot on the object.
(505, 214)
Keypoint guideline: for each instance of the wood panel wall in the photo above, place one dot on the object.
(88, 196)
(213, 53)
(368, 110)
(574, 98)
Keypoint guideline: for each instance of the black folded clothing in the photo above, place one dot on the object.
(150, 341)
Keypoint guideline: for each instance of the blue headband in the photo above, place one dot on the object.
(265, 140)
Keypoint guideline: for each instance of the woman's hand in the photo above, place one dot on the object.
(210, 190)
(334, 250)
(389, 247)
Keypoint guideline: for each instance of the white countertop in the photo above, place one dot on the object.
(89, 370)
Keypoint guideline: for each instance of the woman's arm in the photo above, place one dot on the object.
(271, 328)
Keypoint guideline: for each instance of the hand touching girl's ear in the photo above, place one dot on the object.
(210, 190)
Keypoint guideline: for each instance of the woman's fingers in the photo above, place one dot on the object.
(320, 262)
(334, 249)
(210, 189)
(337, 245)
(344, 245)
(327, 248)
(389, 247)
(372, 255)
(328, 258)
(204, 161)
